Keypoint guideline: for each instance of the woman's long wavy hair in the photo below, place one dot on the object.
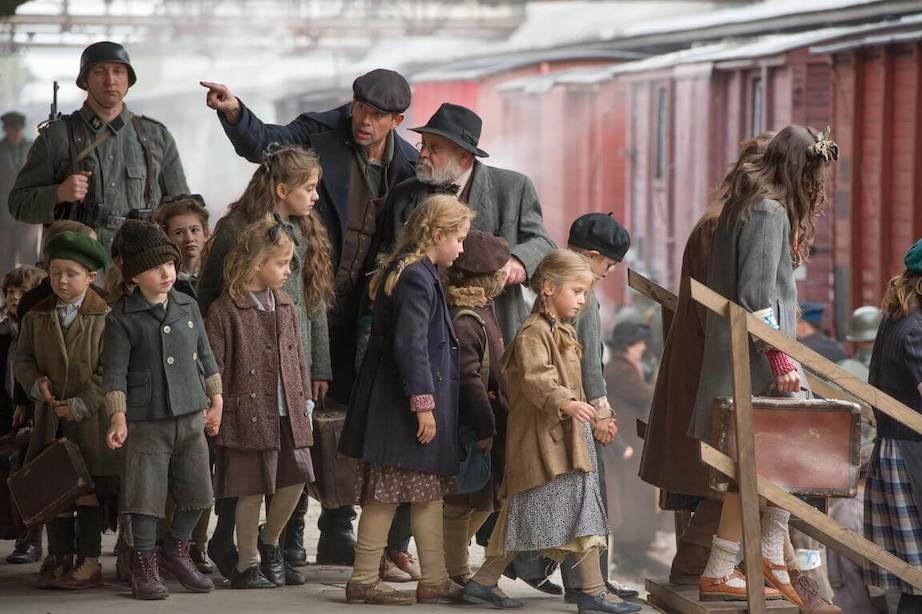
(293, 167)
(792, 171)
(903, 295)
(441, 212)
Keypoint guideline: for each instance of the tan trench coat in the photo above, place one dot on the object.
(541, 370)
(72, 360)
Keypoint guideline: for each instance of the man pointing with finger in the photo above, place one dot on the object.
(102, 163)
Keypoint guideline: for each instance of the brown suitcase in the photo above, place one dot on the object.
(50, 483)
(809, 447)
(334, 473)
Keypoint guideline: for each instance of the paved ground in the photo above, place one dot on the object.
(322, 593)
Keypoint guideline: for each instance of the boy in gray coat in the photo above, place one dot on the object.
(159, 374)
(604, 242)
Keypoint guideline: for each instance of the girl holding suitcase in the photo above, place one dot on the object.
(763, 234)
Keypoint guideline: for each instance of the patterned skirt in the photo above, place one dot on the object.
(891, 518)
(559, 515)
(389, 484)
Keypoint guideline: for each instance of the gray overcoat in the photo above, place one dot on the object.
(751, 265)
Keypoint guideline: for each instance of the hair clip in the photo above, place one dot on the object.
(824, 148)
(265, 158)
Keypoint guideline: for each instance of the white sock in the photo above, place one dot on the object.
(722, 560)
(774, 534)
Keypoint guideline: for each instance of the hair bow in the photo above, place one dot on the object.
(280, 225)
(265, 158)
(824, 148)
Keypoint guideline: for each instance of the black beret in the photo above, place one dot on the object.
(385, 90)
(13, 118)
(483, 254)
(602, 233)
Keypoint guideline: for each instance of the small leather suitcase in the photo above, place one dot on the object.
(334, 473)
(12, 449)
(50, 483)
(809, 447)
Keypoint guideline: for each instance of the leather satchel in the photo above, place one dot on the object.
(50, 483)
(809, 447)
(335, 474)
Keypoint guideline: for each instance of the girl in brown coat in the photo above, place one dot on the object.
(553, 502)
(262, 445)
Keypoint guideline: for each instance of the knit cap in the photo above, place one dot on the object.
(79, 248)
(913, 258)
(144, 246)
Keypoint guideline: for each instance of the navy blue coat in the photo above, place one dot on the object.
(413, 350)
(330, 135)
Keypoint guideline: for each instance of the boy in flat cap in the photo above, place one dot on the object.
(474, 280)
(59, 363)
(363, 159)
(604, 242)
(159, 375)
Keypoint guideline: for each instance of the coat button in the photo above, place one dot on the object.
(170, 360)
(167, 329)
(253, 419)
(253, 396)
(191, 324)
(252, 371)
(194, 355)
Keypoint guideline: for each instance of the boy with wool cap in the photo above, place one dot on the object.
(159, 375)
(59, 363)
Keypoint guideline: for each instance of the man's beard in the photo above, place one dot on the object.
(428, 174)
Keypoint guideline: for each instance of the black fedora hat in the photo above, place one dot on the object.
(458, 124)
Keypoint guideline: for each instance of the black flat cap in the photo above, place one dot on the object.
(458, 124)
(602, 233)
(13, 118)
(385, 90)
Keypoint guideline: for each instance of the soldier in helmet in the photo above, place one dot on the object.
(101, 164)
(862, 330)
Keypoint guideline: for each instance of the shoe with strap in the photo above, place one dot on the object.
(449, 592)
(404, 561)
(378, 593)
(729, 588)
(785, 588)
(475, 592)
(809, 592)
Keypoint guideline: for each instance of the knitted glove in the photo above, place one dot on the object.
(779, 362)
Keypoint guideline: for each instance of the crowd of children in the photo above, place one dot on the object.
(192, 375)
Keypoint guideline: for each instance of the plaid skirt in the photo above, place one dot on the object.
(891, 518)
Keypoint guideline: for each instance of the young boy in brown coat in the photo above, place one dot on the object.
(59, 363)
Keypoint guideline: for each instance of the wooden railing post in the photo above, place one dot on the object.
(746, 458)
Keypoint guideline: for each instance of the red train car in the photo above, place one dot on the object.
(877, 109)
(474, 82)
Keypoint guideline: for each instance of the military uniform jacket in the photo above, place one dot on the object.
(118, 165)
(160, 365)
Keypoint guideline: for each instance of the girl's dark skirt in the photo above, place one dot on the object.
(243, 473)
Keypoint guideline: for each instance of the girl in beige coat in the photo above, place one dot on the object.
(552, 499)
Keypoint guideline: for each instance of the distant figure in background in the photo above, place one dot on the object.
(862, 330)
(18, 241)
(634, 518)
(811, 334)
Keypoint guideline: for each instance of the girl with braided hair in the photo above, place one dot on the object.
(403, 417)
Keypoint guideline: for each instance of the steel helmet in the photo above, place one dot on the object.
(103, 51)
(862, 326)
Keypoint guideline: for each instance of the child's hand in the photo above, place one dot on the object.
(579, 411)
(20, 416)
(426, 432)
(602, 432)
(118, 431)
(319, 389)
(62, 409)
(486, 445)
(213, 415)
(44, 386)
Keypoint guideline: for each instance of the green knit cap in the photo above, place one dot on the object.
(77, 247)
(913, 258)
